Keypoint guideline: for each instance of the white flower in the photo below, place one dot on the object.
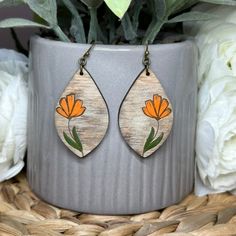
(13, 112)
(216, 126)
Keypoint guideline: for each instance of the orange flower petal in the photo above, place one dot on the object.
(64, 106)
(165, 113)
(70, 102)
(151, 109)
(145, 111)
(157, 102)
(61, 112)
(163, 107)
(78, 110)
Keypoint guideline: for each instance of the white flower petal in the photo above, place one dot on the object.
(216, 129)
(13, 116)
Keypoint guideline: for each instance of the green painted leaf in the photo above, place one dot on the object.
(223, 2)
(152, 143)
(151, 135)
(46, 9)
(19, 22)
(71, 142)
(76, 138)
(156, 141)
(149, 139)
(118, 7)
(192, 16)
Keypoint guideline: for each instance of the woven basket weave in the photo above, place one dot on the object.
(22, 213)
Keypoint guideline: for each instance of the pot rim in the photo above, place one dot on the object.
(110, 46)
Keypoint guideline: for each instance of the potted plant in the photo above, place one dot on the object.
(112, 179)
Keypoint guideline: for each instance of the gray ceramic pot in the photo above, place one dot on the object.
(112, 179)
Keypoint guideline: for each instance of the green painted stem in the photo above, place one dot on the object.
(157, 128)
(69, 128)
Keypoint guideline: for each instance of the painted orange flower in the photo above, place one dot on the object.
(157, 108)
(69, 107)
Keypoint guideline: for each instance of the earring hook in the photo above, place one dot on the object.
(83, 59)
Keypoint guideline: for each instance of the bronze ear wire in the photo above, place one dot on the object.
(84, 58)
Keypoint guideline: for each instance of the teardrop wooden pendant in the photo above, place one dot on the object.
(81, 115)
(146, 115)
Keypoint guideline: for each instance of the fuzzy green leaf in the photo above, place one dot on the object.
(223, 2)
(152, 31)
(76, 138)
(19, 22)
(159, 15)
(136, 12)
(71, 142)
(178, 5)
(192, 16)
(76, 30)
(77, 27)
(170, 3)
(46, 9)
(10, 3)
(159, 9)
(92, 3)
(118, 7)
(128, 27)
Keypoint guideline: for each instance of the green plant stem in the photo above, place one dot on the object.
(152, 31)
(69, 5)
(18, 44)
(112, 27)
(60, 34)
(93, 34)
(128, 27)
(135, 18)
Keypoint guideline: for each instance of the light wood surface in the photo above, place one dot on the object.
(92, 124)
(134, 124)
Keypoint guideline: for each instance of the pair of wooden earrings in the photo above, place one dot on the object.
(145, 116)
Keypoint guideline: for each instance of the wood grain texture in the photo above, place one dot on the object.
(135, 125)
(91, 123)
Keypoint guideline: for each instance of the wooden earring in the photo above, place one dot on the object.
(81, 114)
(146, 115)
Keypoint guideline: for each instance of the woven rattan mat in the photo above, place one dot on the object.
(22, 213)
